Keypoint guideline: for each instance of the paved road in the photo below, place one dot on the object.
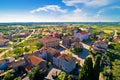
(85, 46)
(27, 37)
(1, 54)
(67, 51)
(10, 49)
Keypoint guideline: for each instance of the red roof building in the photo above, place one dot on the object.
(49, 41)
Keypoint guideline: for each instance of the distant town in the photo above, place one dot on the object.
(60, 51)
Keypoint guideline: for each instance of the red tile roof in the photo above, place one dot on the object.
(102, 42)
(49, 39)
(117, 39)
(77, 44)
(36, 60)
(66, 57)
(50, 50)
(83, 32)
(3, 41)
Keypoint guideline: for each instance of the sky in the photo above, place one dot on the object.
(59, 10)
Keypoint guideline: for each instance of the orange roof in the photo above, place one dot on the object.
(102, 42)
(66, 57)
(36, 60)
(117, 39)
(2, 41)
(50, 50)
(49, 39)
(83, 32)
(28, 67)
(1, 37)
(77, 44)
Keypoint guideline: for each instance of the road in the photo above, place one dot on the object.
(10, 49)
(67, 51)
(27, 37)
(85, 46)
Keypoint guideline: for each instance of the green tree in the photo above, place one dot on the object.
(26, 49)
(62, 76)
(18, 78)
(97, 67)
(86, 72)
(9, 75)
(77, 49)
(18, 51)
(37, 74)
(39, 45)
(70, 77)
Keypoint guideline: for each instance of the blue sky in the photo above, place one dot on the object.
(59, 10)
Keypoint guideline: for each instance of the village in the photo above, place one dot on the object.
(60, 51)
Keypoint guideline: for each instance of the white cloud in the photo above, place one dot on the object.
(115, 7)
(48, 8)
(104, 10)
(99, 13)
(94, 3)
(77, 10)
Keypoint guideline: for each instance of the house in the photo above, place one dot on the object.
(49, 41)
(53, 74)
(16, 64)
(2, 61)
(5, 63)
(23, 34)
(117, 39)
(68, 40)
(56, 34)
(101, 45)
(62, 61)
(35, 61)
(65, 62)
(78, 44)
(4, 42)
(1, 35)
(82, 35)
(48, 53)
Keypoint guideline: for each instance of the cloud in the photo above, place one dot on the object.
(94, 3)
(104, 10)
(115, 7)
(48, 8)
(99, 13)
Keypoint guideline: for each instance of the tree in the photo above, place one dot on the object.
(37, 73)
(9, 75)
(70, 77)
(77, 49)
(26, 49)
(86, 72)
(20, 70)
(39, 45)
(97, 67)
(18, 78)
(18, 51)
(48, 64)
(62, 76)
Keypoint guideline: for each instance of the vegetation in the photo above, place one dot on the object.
(37, 73)
(96, 68)
(18, 51)
(115, 46)
(77, 49)
(62, 76)
(87, 70)
(39, 45)
(9, 75)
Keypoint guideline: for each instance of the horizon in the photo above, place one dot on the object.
(59, 11)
